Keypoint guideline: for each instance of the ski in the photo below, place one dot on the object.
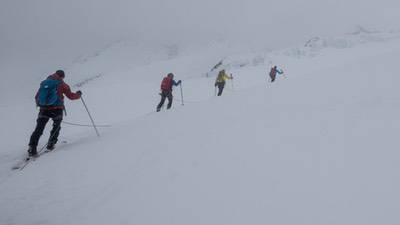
(24, 162)
(20, 164)
(27, 159)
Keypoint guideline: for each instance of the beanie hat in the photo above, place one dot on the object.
(60, 73)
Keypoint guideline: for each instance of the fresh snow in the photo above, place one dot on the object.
(315, 147)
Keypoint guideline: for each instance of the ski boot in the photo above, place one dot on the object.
(32, 152)
(50, 146)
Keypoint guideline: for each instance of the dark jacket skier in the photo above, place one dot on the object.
(273, 72)
(166, 90)
(50, 99)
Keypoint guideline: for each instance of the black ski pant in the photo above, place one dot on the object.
(220, 86)
(44, 116)
(164, 95)
(272, 77)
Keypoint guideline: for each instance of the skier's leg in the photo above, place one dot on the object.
(163, 96)
(55, 132)
(220, 89)
(40, 125)
(170, 98)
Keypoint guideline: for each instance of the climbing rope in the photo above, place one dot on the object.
(84, 125)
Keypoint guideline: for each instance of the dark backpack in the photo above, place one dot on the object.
(48, 93)
(166, 84)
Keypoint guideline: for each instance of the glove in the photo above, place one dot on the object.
(179, 82)
(79, 93)
(231, 76)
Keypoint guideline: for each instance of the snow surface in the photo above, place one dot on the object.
(318, 146)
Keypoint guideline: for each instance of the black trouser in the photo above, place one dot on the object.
(164, 95)
(220, 86)
(272, 77)
(44, 115)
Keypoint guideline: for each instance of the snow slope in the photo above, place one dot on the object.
(316, 147)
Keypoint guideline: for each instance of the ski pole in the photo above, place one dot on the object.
(233, 86)
(90, 116)
(181, 93)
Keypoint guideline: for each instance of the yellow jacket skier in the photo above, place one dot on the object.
(221, 80)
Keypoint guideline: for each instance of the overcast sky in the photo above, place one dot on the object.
(54, 27)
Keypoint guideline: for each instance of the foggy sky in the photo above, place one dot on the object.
(53, 28)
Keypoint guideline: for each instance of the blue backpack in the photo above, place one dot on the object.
(48, 95)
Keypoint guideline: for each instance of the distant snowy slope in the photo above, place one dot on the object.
(316, 147)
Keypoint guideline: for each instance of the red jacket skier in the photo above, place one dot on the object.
(273, 72)
(50, 99)
(166, 90)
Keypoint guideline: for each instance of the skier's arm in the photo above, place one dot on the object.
(66, 90)
(176, 83)
(227, 77)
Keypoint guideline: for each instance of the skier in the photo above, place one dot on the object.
(221, 80)
(273, 72)
(50, 99)
(166, 90)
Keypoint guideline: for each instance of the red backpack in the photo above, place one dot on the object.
(272, 72)
(166, 84)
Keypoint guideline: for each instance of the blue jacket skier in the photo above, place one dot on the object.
(50, 99)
